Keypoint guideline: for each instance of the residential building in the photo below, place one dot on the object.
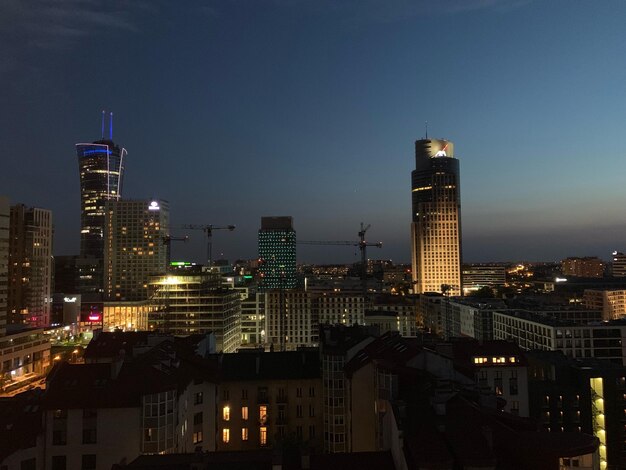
(253, 319)
(612, 303)
(134, 251)
(5, 217)
(267, 398)
(277, 253)
(30, 266)
(589, 266)
(289, 321)
(436, 218)
(583, 396)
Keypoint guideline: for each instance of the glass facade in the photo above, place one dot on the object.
(101, 167)
(277, 253)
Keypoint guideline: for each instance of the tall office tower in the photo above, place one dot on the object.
(277, 252)
(436, 227)
(30, 266)
(619, 264)
(134, 248)
(5, 214)
(101, 166)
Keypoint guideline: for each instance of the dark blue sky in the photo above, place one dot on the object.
(235, 109)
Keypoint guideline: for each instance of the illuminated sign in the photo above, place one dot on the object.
(560, 279)
(154, 206)
(94, 317)
(69, 300)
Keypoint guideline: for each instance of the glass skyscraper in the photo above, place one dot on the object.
(277, 253)
(436, 226)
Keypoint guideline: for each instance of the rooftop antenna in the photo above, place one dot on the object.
(426, 129)
(111, 126)
(102, 133)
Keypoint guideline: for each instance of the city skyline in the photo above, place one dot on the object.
(324, 103)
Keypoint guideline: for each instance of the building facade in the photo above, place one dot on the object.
(101, 167)
(5, 216)
(277, 253)
(196, 302)
(619, 264)
(436, 226)
(476, 276)
(589, 266)
(612, 303)
(134, 251)
(30, 266)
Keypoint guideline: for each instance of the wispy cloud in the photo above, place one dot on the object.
(60, 24)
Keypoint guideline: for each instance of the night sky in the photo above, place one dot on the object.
(236, 109)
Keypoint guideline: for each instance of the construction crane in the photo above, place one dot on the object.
(361, 243)
(167, 241)
(208, 229)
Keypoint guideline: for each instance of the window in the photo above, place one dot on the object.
(226, 395)
(244, 394)
(311, 391)
(244, 413)
(299, 411)
(89, 436)
(59, 462)
(244, 434)
(299, 431)
(197, 437)
(197, 418)
(88, 462)
(311, 411)
(225, 435)
(30, 464)
(299, 392)
(262, 414)
(311, 432)
(226, 413)
(197, 399)
(263, 435)
(59, 438)
(497, 383)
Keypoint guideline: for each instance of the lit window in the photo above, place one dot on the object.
(263, 414)
(244, 434)
(226, 435)
(263, 435)
(226, 413)
(244, 413)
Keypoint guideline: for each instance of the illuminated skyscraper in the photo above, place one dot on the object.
(101, 166)
(436, 227)
(134, 247)
(277, 250)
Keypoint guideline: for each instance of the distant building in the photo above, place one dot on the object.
(30, 266)
(612, 303)
(77, 274)
(101, 166)
(5, 216)
(277, 253)
(134, 250)
(619, 264)
(589, 266)
(436, 218)
(476, 276)
(196, 302)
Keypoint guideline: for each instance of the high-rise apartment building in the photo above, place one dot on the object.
(101, 166)
(589, 266)
(5, 214)
(436, 226)
(277, 252)
(30, 266)
(134, 249)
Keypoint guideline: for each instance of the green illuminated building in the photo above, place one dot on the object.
(277, 253)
